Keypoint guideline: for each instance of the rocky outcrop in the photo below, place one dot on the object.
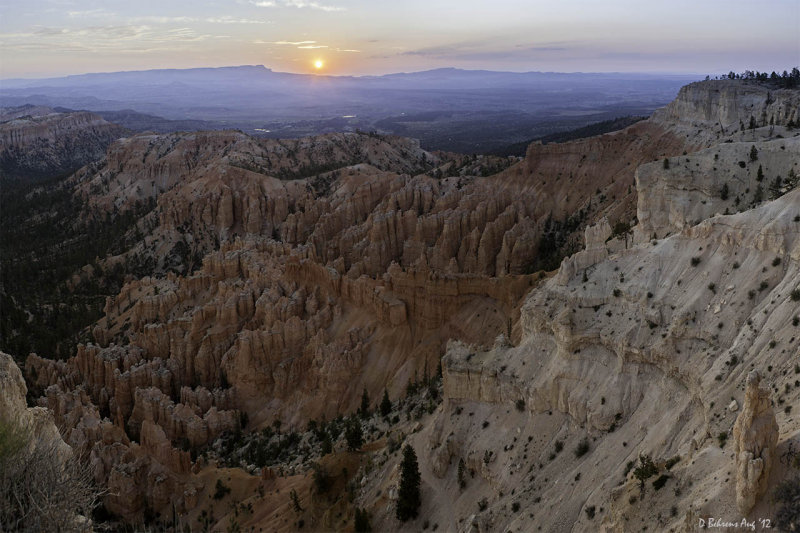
(38, 143)
(616, 342)
(728, 178)
(14, 409)
(755, 436)
(719, 107)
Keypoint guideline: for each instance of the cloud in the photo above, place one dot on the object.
(108, 38)
(313, 46)
(311, 5)
(291, 43)
(485, 51)
(300, 4)
(89, 13)
(346, 50)
(162, 20)
(232, 20)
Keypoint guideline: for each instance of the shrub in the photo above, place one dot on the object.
(795, 295)
(712, 287)
(776, 261)
(659, 483)
(363, 410)
(646, 469)
(515, 507)
(666, 163)
(722, 438)
(362, 524)
(295, 501)
(559, 446)
(221, 490)
(590, 511)
(483, 504)
(695, 261)
(40, 490)
(620, 228)
(672, 462)
(787, 493)
(629, 466)
(582, 448)
(386, 404)
(354, 435)
(322, 480)
(520, 405)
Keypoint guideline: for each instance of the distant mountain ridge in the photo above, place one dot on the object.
(480, 110)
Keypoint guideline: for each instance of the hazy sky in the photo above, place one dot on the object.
(56, 37)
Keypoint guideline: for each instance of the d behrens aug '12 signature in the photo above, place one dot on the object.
(752, 525)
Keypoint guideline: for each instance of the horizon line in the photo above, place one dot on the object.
(649, 73)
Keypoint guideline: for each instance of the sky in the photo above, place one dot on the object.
(43, 38)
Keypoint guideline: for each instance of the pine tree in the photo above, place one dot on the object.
(462, 477)
(386, 404)
(753, 153)
(354, 435)
(364, 409)
(326, 446)
(760, 174)
(408, 497)
(362, 521)
(295, 502)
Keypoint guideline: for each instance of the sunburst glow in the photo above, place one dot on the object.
(318, 64)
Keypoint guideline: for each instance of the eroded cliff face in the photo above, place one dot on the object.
(718, 108)
(755, 435)
(730, 177)
(640, 349)
(38, 142)
(14, 408)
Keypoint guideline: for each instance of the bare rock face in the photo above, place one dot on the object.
(38, 142)
(13, 407)
(725, 179)
(721, 106)
(755, 436)
(641, 338)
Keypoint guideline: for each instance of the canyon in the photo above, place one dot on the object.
(595, 305)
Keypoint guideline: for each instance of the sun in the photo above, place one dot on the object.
(318, 64)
